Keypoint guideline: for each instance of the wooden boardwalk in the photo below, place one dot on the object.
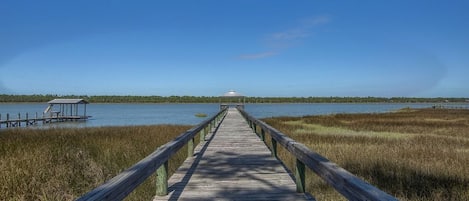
(233, 164)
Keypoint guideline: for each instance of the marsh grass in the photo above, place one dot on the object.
(412, 154)
(201, 115)
(62, 164)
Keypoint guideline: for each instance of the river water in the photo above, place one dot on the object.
(148, 114)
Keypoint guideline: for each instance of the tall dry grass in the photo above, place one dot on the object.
(63, 163)
(412, 154)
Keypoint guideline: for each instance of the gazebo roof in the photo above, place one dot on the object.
(67, 101)
(232, 93)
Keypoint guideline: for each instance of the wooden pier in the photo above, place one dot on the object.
(31, 121)
(232, 163)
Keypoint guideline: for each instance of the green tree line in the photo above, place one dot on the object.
(5, 98)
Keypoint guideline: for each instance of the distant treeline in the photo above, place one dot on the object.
(215, 99)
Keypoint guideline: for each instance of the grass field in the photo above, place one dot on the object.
(412, 154)
(62, 164)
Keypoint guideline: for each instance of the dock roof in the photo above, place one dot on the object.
(232, 93)
(67, 101)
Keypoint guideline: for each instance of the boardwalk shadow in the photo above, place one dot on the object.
(233, 168)
(178, 187)
(245, 177)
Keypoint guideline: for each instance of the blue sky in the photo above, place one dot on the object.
(416, 48)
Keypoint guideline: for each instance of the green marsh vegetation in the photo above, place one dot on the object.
(64, 163)
(412, 154)
(201, 115)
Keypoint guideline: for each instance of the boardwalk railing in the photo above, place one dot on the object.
(347, 184)
(123, 184)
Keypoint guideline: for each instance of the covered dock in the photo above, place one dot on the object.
(67, 108)
(59, 110)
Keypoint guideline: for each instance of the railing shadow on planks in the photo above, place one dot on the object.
(350, 186)
(123, 184)
(347, 184)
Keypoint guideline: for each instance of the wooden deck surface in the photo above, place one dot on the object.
(234, 164)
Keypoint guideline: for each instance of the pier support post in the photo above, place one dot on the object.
(202, 134)
(162, 180)
(190, 148)
(254, 128)
(274, 147)
(8, 120)
(300, 176)
(262, 135)
(18, 122)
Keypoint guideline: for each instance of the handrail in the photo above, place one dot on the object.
(124, 183)
(347, 184)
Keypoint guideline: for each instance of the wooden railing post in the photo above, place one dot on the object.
(274, 147)
(202, 134)
(190, 148)
(254, 128)
(262, 134)
(162, 180)
(8, 120)
(209, 127)
(300, 176)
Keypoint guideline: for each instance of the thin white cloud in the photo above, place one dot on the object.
(283, 40)
(315, 21)
(258, 55)
(290, 35)
(303, 30)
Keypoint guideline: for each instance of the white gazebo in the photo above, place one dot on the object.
(232, 99)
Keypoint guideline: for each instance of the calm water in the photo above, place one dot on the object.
(146, 114)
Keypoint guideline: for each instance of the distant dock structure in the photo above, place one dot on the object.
(232, 99)
(66, 110)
